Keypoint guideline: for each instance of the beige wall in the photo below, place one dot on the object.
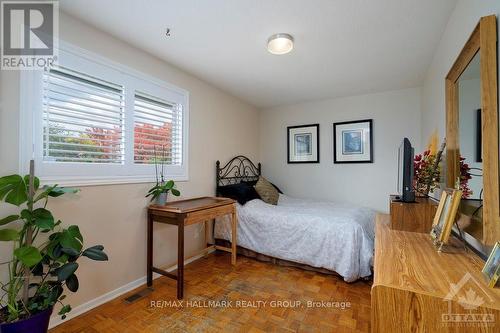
(395, 114)
(460, 26)
(220, 127)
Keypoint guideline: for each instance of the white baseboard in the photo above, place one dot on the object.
(82, 308)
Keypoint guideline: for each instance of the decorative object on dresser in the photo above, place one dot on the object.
(412, 216)
(183, 213)
(303, 144)
(416, 289)
(426, 167)
(492, 267)
(445, 216)
(159, 192)
(353, 141)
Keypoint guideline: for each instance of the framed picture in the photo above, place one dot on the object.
(303, 143)
(353, 142)
(492, 267)
(445, 215)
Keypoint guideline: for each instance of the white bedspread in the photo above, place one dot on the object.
(338, 237)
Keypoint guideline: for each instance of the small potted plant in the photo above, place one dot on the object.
(44, 258)
(159, 192)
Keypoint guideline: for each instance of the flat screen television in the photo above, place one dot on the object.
(405, 172)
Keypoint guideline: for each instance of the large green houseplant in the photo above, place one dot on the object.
(45, 254)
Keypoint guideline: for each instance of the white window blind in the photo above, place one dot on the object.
(91, 121)
(157, 130)
(83, 118)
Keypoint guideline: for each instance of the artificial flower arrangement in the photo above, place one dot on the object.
(465, 176)
(426, 167)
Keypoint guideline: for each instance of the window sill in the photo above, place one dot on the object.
(97, 181)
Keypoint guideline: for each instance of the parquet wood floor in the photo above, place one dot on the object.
(215, 279)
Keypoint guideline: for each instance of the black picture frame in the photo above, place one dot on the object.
(479, 136)
(370, 122)
(289, 161)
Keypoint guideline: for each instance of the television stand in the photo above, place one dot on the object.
(414, 216)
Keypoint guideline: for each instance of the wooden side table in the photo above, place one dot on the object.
(186, 212)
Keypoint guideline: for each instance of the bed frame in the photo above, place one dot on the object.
(238, 169)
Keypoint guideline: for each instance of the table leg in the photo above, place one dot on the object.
(180, 260)
(207, 236)
(149, 264)
(234, 238)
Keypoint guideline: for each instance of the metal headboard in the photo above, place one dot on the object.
(239, 168)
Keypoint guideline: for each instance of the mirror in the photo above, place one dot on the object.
(470, 144)
(472, 134)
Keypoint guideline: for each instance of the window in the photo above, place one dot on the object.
(83, 119)
(90, 121)
(157, 124)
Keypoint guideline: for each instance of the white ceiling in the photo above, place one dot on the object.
(342, 47)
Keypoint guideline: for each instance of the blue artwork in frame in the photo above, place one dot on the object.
(353, 141)
(303, 144)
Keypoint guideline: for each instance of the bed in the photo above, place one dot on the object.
(322, 235)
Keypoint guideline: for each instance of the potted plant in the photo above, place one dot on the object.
(44, 257)
(159, 192)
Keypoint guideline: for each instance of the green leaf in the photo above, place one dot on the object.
(28, 255)
(8, 219)
(8, 235)
(70, 251)
(96, 247)
(66, 270)
(36, 182)
(176, 192)
(71, 238)
(58, 191)
(169, 185)
(65, 309)
(13, 188)
(43, 219)
(75, 232)
(26, 215)
(55, 292)
(54, 191)
(72, 283)
(95, 253)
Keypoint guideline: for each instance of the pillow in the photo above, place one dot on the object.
(267, 191)
(240, 192)
(253, 182)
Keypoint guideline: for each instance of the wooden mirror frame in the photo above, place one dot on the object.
(484, 40)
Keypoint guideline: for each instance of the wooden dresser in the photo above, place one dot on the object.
(417, 289)
(412, 216)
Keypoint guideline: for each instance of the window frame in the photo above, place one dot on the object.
(81, 174)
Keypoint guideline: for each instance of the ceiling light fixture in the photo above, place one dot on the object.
(280, 43)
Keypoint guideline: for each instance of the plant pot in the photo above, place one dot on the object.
(38, 323)
(161, 199)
